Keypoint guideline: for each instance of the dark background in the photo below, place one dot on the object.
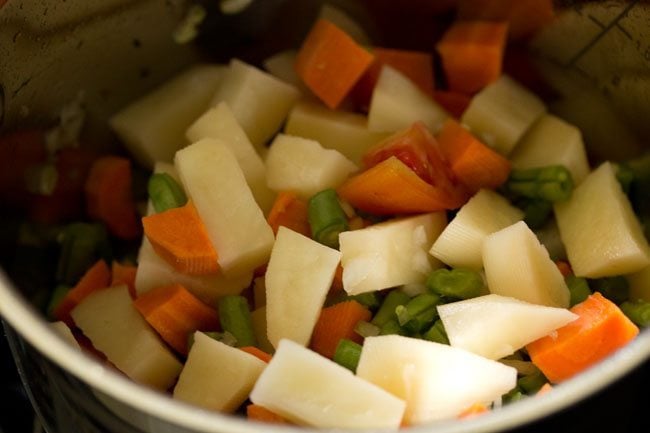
(620, 408)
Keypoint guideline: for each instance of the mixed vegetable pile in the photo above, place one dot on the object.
(336, 239)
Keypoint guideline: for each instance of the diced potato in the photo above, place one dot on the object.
(552, 141)
(461, 243)
(344, 131)
(391, 253)
(219, 122)
(236, 225)
(307, 388)
(153, 271)
(258, 319)
(640, 284)
(517, 265)
(217, 376)
(259, 101)
(304, 166)
(115, 328)
(298, 277)
(599, 229)
(397, 102)
(153, 127)
(64, 331)
(437, 381)
(495, 326)
(502, 112)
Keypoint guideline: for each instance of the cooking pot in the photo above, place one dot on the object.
(595, 53)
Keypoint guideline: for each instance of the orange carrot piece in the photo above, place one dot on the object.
(546, 388)
(175, 313)
(124, 274)
(97, 277)
(599, 331)
(255, 412)
(471, 54)
(564, 267)
(473, 411)
(258, 353)
(454, 102)
(179, 236)
(415, 65)
(290, 211)
(525, 17)
(109, 197)
(330, 62)
(474, 164)
(337, 322)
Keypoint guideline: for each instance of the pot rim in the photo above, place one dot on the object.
(31, 326)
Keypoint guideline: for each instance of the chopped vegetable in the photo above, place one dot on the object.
(165, 193)
(109, 198)
(601, 329)
(552, 183)
(638, 312)
(437, 333)
(179, 236)
(456, 283)
(259, 353)
(335, 323)
(326, 218)
(255, 412)
(454, 102)
(97, 277)
(386, 311)
(82, 244)
(418, 313)
(289, 211)
(124, 274)
(235, 317)
(175, 313)
(472, 54)
(616, 289)
(330, 62)
(347, 354)
(474, 410)
(578, 288)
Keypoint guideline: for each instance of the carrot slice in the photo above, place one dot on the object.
(255, 412)
(415, 65)
(109, 198)
(471, 54)
(258, 353)
(564, 267)
(473, 411)
(337, 322)
(599, 331)
(179, 236)
(525, 17)
(330, 62)
(174, 312)
(290, 211)
(474, 164)
(124, 274)
(97, 277)
(454, 102)
(546, 388)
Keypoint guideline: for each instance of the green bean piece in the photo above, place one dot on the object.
(531, 383)
(165, 193)
(391, 327)
(418, 313)
(386, 311)
(366, 329)
(616, 289)
(625, 176)
(513, 395)
(235, 317)
(552, 183)
(57, 295)
(637, 311)
(437, 333)
(536, 211)
(326, 218)
(369, 299)
(347, 354)
(455, 283)
(82, 244)
(578, 289)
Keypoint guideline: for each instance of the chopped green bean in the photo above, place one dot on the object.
(347, 354)
(82, 244)
(552, 183)
(531, 383)
(235, 317)
(625, 176)
(326, 218)
(368, 299)
(616, 289)
(513, 395)
(456, 283)
(536, 211)
(165, 193)
(366, 329)
(391, 327)
(637, 311)
(578, 289)
(418, 313)
(437, 333)
(386, 311)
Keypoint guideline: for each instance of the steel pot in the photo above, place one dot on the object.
(118, 49)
